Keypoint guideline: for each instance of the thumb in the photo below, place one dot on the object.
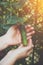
(21, 45)
(30, 43)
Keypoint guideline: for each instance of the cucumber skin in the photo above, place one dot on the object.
(23, 34)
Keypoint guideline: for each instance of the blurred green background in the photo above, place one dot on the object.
(27, 11)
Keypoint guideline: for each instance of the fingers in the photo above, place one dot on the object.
(27, 26)
(29, 52)
(29, 30)
(30, 44)
(30, 33)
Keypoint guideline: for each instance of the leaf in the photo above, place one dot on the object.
(14, 20)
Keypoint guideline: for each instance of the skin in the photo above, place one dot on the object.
(13, 37)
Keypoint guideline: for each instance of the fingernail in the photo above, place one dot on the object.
(33, 31)
(32, 28)
(32, 45)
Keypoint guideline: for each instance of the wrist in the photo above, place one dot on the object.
(3, 42)
(10, 58)
(13, 55)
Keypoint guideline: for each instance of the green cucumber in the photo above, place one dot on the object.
(23, 34)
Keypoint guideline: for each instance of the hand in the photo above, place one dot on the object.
(13, 35)
(21, 52)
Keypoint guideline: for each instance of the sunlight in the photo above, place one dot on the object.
(40, 6)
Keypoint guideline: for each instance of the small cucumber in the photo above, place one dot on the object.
(23, 34)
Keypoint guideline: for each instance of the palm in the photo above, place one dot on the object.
(14, 36)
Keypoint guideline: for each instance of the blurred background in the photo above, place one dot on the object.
(26, 11)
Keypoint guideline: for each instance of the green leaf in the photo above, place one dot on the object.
(14, 20)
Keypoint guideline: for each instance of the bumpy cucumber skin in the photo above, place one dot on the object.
(23, 34)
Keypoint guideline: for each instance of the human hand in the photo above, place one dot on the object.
(13, 35)
(21, 52)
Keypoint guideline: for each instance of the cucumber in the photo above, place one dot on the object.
(23, 34)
